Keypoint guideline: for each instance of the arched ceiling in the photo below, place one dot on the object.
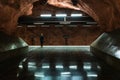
(105, 12)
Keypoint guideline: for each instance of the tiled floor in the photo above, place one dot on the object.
(64, 63)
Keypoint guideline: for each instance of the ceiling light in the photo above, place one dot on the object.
(76, 15)
(45, 15)
(61, 15)
(117, 54)
(65, 73)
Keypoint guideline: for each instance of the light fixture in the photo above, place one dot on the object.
(61, 15)
(117, 54)
(59, 66)
(91, 74)
(73, 67)
(45, 15)
(31, 65)
(39, 74)
(76, 15)
(87, 65)
(45, 66)
(65, 73)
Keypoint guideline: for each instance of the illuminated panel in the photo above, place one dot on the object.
(76, 15)
(48, 78)
(59, 66)
(91, 74)
(20, 66)
(32, 65)
(61, 15)
(65, 73)
(24, 59)
(87, 65)
(45, 15)
(39, 74)
(77, 78)
(73, 67)
(13, 46)
(117, 54)
(45, 66)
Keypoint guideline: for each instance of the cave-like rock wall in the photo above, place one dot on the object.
(105, 12)
(10, 10)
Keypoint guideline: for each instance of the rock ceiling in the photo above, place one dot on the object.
(105, 12)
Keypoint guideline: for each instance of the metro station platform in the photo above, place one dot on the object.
(64, 63)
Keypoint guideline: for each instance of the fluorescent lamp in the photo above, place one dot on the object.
(31, 67)
(13, 46)
(59, 66)
(117, 54)
(91, 74)
(39, 74)
(65, 73)
(61, 15)
(73, 67)
(24, 59)
(45, 66)
(20, 66)
(32, 63)
(45, 15)
(75, 77)
(76, 15)
(87, 66)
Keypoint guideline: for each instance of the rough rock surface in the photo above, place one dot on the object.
(10, 10)
(105, 12)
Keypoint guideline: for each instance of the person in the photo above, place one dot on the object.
(41, 39)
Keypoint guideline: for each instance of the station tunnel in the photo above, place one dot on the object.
(79, 43)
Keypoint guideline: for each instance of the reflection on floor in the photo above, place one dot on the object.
(64, 63)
